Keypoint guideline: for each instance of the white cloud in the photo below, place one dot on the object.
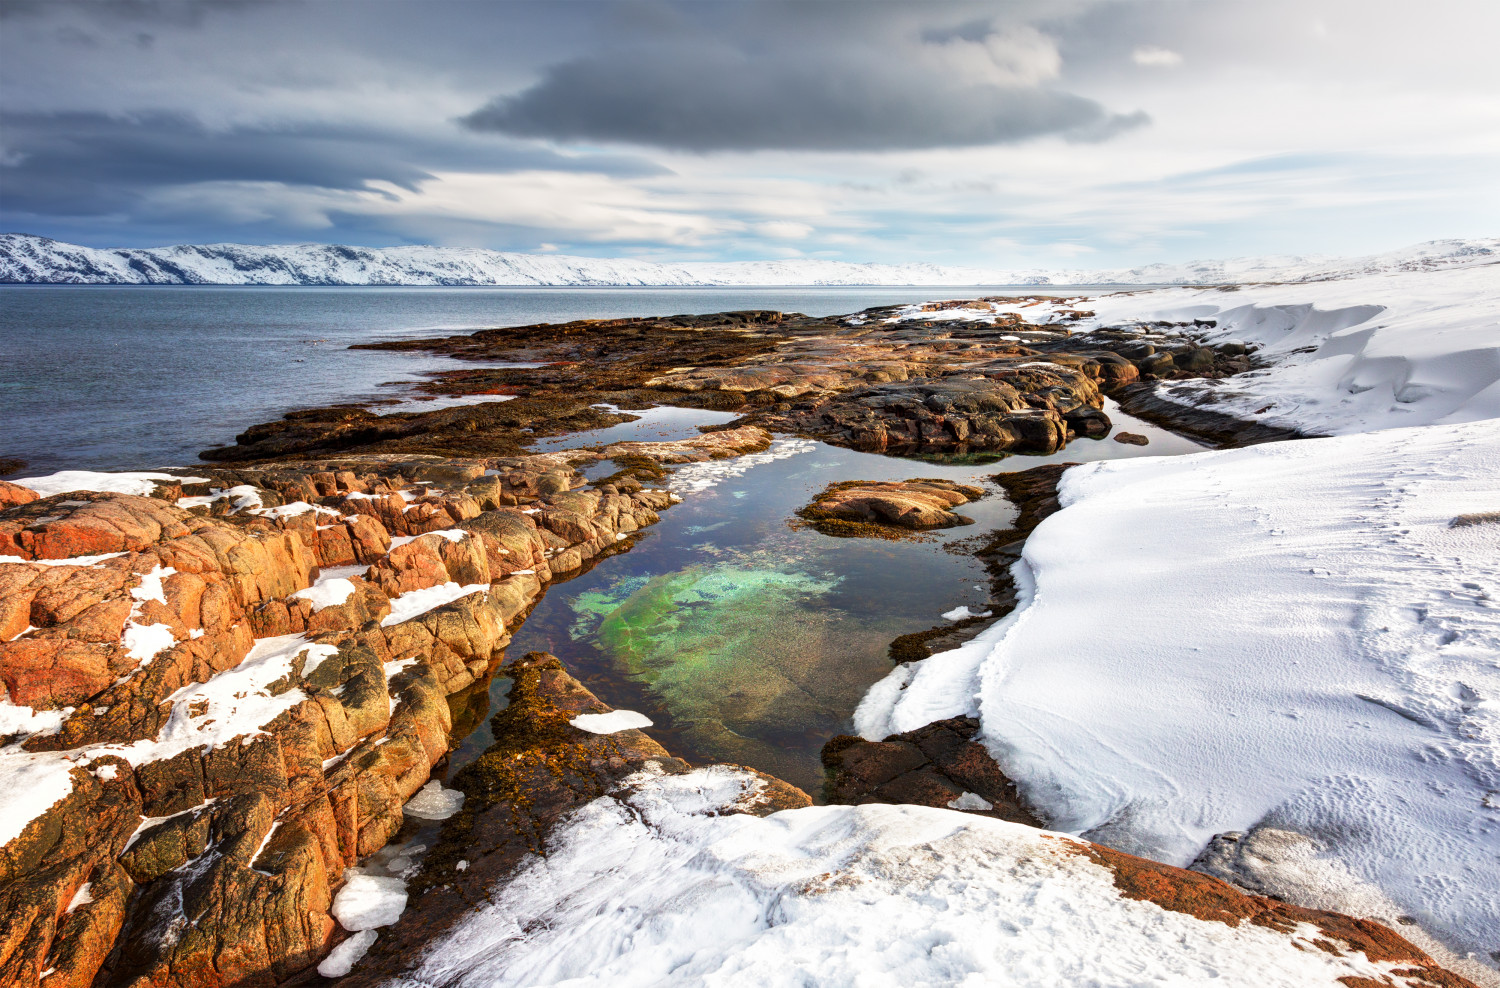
(1016, 56)
(1155, 58)
(783, 230)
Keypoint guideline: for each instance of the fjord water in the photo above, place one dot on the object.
(139, 377)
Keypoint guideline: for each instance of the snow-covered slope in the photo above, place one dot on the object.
(659, 886)
(1301, 636)
(29, 259)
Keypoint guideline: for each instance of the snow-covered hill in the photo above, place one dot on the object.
(37, 260)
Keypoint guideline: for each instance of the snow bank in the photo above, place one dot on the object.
(1289, 635)
(142, 483)
(1346, 356)
(661, 887)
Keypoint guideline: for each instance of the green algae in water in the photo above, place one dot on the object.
(743, 659)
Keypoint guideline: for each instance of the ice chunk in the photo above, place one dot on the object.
(368, 901)
(970, 801)
(611, 723)
(433, 802)
(962, 613)
(341, 959)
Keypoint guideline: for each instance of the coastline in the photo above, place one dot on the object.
(781, 374)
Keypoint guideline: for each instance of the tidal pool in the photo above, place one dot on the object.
(748, 639)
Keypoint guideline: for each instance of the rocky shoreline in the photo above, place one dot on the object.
(238, 678)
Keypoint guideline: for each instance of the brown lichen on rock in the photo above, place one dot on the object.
(941, 765)
(887, 508)
(1213, 900)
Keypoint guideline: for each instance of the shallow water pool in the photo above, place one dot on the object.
(747, 638)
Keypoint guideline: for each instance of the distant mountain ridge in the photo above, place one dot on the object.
(27, 259)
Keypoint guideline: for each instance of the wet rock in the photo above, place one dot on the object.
(1092, 423)
(854, 507)
(1198, 360)
(1131, 438)
(709, 446)
(1157, 365)
(939, 765)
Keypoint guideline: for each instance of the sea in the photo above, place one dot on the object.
(139, 377)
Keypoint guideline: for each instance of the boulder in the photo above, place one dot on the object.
(860, 507)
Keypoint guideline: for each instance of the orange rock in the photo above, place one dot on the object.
(13, 494)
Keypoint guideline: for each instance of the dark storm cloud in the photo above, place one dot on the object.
(89, 164)
(721, 99)
(188, 13)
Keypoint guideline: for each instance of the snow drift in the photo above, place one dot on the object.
(1301, 636)
(659, 886)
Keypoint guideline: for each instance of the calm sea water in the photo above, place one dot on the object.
(746, 638)
(117, 378)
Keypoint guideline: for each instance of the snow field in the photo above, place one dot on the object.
(659, 887)
(1289, 636)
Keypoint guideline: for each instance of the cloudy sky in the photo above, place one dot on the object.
(1008, 134)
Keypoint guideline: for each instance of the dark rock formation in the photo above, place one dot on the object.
(938, 765)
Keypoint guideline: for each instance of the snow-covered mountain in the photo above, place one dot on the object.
(27, 259)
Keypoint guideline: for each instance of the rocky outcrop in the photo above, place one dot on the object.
(540, 768)
(716, 445)
(939, 765)
(225, 693)
(871, 507)
(14, 494)
(877, 381)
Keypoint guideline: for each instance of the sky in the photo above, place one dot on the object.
(1057, 133)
